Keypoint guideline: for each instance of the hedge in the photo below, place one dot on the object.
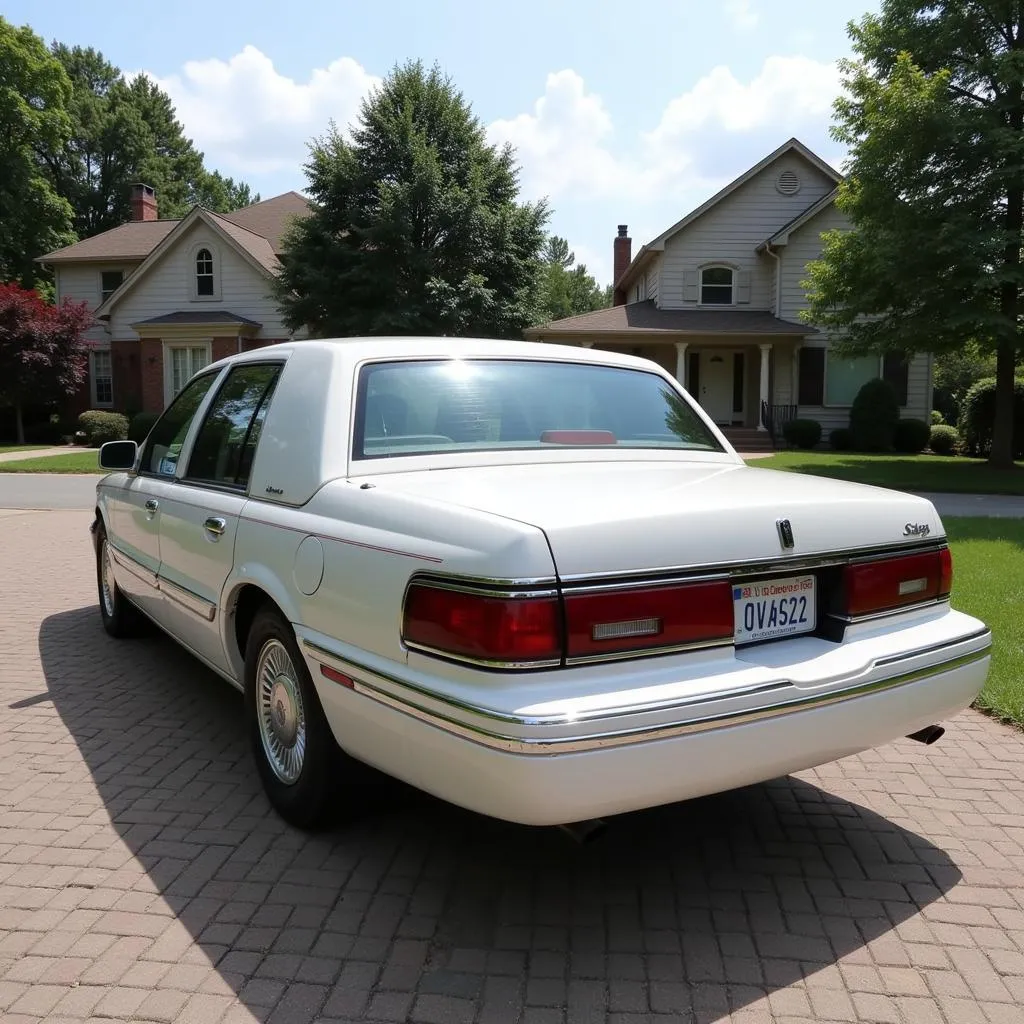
(102, 426)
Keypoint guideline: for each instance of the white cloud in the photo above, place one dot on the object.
(741, 14)
(562, 145)
(704, 136)
(787, 90)
(249, 119)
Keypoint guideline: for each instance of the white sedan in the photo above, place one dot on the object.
(532, 580)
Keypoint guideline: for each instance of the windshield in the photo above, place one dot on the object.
(424, 407)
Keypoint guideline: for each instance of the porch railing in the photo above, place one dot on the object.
(774, 418)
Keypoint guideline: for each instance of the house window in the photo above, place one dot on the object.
(101, 377)
(204, 273)
(181, 363)
(811, 389)
(716, 286)
(110, 281)
(845, 376)
(896, 370)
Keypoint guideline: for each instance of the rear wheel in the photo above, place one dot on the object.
(300, 764)
(119, 616)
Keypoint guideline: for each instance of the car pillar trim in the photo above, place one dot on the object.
(487, 736)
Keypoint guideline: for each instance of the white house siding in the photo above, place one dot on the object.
(731, 231)
(803, 247)
(653, 279)
(81, 283)
(169, 287)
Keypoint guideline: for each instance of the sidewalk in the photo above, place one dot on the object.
(38, 453)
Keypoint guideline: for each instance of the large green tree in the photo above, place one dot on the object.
(567, 289)
(126, 132)
(34, 97)
(417, 227)
(934, 120)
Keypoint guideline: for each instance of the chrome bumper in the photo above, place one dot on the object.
(612, 729)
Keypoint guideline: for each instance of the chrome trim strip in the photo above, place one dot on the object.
(135, 567)
(187, 599)
(643, 734)
(649, 652)
(457, 585)
(465, 659)
(913, 606)
(755, 567)
(979, 634)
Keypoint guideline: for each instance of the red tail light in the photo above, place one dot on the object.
(483, 627)
(632, 620)
(890, 583)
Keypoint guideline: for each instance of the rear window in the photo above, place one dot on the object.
(424, 407)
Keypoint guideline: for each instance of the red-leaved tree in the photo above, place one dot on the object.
(42, 355)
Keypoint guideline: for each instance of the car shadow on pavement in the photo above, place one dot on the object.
(426, 910)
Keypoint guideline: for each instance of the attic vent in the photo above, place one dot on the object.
(788, 183)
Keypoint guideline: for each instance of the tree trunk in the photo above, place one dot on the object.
(1001, 456)
(20, 424)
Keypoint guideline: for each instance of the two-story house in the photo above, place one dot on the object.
(716, 299)
(170, 296)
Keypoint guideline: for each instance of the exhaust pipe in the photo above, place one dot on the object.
(585, 831)
(928, 735)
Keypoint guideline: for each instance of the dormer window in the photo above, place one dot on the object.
(716, 286)
(204, 273)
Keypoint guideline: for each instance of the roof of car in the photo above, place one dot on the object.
(359, 349)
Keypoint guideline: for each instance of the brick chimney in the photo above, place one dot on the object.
(622, 254)
(143, 202)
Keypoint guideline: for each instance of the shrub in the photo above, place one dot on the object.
(937, 418)
(802, 433)
(141, 424)
(911, 436)
(944, 439)
(978, 416)
(874, 415)
(44, 433)
(841, 439)
(100, 426)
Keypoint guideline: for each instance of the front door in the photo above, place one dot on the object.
(716, 385)
(198, 520)
(135, 508)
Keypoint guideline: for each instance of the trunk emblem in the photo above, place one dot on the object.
(785, 533)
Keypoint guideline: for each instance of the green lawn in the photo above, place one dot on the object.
(5, 448)
(903, 472)
(988, 581)
(80, 461)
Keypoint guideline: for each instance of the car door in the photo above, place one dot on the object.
(199, 514)
(133, 510)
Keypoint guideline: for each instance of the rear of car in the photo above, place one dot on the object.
(680, 625)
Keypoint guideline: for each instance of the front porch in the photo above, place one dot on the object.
(746, 385)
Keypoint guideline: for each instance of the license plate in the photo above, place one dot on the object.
(768, 609)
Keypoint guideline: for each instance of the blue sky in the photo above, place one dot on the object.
(621, 113)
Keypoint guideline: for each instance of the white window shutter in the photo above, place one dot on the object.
(689, 286)
(743, 286)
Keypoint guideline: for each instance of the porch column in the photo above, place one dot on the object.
(681, 362)
(766, 352)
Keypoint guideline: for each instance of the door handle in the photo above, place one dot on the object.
(152, 504)
(215, 525)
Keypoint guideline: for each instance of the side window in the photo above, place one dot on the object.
(226, 442)
(168, 434)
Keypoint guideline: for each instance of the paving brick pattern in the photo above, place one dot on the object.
(143, 876)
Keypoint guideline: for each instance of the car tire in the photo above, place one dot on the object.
(121, 619)
(299, 762)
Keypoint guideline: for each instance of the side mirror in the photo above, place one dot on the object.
(118, 455)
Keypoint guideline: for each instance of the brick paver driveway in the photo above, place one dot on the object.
(143, 877)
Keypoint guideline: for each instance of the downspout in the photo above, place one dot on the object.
(778, 277)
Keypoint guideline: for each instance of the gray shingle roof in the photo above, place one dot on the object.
(646, 318)
(212, 316)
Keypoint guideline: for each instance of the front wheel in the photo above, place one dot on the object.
(296, 755)
(119, 616)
